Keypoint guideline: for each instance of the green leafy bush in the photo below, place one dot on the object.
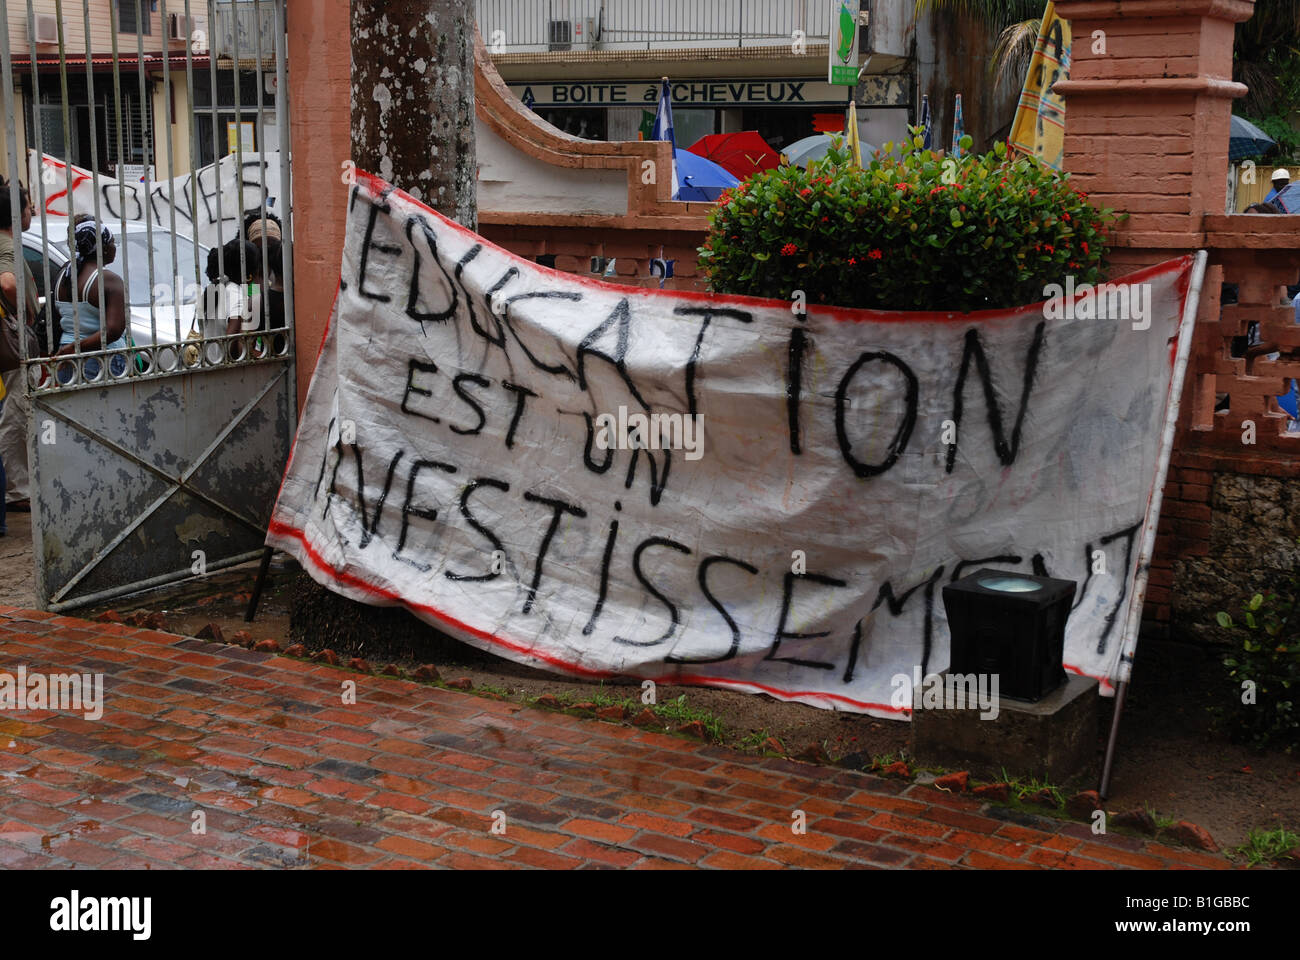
(1269, 658)
(913, 230)
(1278, 126)
(1274, 81)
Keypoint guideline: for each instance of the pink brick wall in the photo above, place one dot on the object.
(1147, 134)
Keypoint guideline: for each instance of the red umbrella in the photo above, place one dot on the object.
(741, 154)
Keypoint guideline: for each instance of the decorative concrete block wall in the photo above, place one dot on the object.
(1147, 114)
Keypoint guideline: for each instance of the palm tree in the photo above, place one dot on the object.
(1017, 23)
(1275, 25)
(1273, 31)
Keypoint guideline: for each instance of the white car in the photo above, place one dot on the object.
(172, 302)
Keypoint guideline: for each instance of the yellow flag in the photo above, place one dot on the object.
(853, 140)
(1039, 126)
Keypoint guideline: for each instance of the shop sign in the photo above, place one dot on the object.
(743, 92)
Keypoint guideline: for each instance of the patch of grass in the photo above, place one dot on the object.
(492, 688)
(1265, 846)
(754, 741)
(602, 698)
(678, 712)
(564, 697)
(1162, 822)
(882, 760)
(1023, 789)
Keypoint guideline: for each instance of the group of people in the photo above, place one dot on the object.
(1253, 346)
(245, 290)
(244, 295)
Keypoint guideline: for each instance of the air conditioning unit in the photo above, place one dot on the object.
(559, 35)
(45, 28)
(179, 26)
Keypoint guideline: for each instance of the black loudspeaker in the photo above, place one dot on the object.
(1012, 625)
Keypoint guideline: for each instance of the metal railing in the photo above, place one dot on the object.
(177, 216)
(155, 419)
(527, 26)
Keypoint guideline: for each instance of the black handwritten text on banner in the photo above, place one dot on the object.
(461, 452)
(207, 206)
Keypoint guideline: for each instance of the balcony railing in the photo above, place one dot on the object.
(529, 26)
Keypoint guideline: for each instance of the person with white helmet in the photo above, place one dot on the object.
(1281, 177)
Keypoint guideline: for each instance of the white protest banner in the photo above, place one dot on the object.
(469, 449)
(219, 193)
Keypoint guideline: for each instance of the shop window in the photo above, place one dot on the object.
(216, 117)
(587, 124)
(781, 126)
(691, 125)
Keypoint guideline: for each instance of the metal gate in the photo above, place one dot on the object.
(161, 406)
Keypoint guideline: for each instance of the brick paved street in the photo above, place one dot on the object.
(286, 775)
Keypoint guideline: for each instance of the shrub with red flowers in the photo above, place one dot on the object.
(913, 230)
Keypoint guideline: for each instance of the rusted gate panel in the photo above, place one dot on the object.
(143, 483)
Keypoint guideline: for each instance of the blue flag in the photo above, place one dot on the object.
(958, 128)
(927, 124)
(663, 128)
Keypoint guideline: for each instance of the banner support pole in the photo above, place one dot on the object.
(263, 569)
(1128, 642)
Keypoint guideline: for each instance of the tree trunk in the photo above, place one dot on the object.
(413, 100)
(413, 125)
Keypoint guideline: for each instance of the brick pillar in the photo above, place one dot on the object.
(1147, 108)
(320, 78)
(1147, 113)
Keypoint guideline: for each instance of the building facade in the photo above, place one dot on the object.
(151, 85)
(592, 67)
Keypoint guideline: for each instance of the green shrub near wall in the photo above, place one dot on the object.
(913, 230)
(1263, 672)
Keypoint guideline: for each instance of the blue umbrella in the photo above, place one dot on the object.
(701, 179)
(1247, 140)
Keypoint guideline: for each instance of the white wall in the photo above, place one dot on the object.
(511, 181)
(880, 126)
(892, 23)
